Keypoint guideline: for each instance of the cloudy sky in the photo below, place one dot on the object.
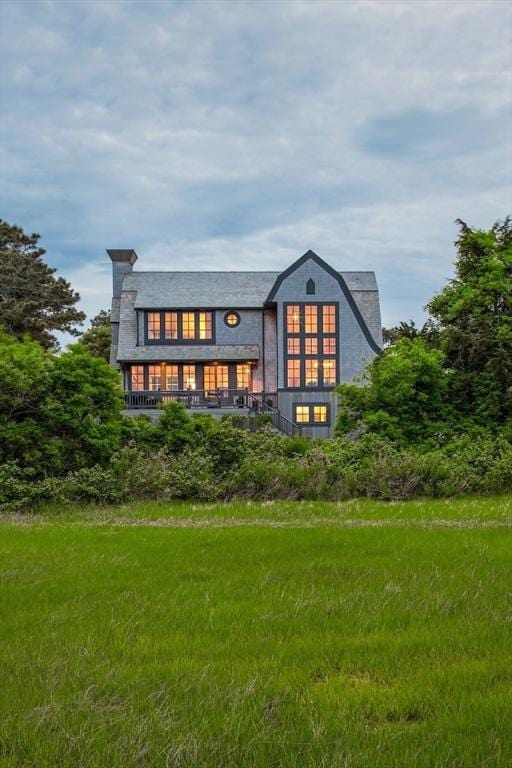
(212, 134)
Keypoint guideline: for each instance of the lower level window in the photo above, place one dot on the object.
(311, 413)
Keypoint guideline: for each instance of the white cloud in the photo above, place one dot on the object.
(216, 135)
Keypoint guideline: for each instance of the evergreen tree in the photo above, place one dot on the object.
(32, 300)
(98, 338)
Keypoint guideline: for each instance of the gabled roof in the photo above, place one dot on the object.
(159, 290)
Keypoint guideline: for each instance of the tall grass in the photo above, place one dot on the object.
(252, 645)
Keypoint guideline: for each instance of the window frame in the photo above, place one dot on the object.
(311, 422)
(237, 316)
(302, 335)
(162, 340)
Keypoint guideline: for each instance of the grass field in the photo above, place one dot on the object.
(358, 635)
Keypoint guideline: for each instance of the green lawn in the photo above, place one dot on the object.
(289, 634)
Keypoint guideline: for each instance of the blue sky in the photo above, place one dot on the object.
(238, 135)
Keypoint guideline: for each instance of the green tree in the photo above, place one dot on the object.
(32, 299)
(474, 319)
(428, 331)
(404, 397)
(57, 413)
(98, 338)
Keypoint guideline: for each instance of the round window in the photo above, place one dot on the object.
(232, 319)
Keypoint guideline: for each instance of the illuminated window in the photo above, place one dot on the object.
(293, 318)
(320, 414)
(301, 414)
(189, 377)
(155, 377)
(329, 318)
(189, 325)
(222, 376)
(171, 377)
(311, 346)
(293, 374)
(205, 325)
(329, 346)
(243, 375)
(311, 318)
(232, 319)
(312, 413)
(294, 346)
(137, 378)
(153, 325)
(329, 372)
(312, 373)
(209, 377)
(171, 325)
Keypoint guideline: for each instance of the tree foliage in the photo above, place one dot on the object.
(56, 412)
(98, 338)
(454, 373)
(474, 318)
(405, 394)
(32, 300)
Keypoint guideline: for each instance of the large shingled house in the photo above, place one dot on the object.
(257, 341)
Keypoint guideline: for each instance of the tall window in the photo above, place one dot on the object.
(312, 372)
(311, 345)
(155, 377)
(243, 375)
(293, 318)
(205, 325)
(172, 381)
(311, 318)
(171, 325)
(189, 377)
(137, 378)
(189, 325)
(329, 318)
(293, 373)
(153, 325)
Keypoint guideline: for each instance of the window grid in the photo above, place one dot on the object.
(188, 320)
(302, 414)
(137, 378)
(311, 413)
(329, 345)
(311, 370)
(293, 373)
(172, 379)
(154, 377)
(243, 375)
(329, 318)
(178, 326)
(311, 318)
(153, 325)
(293, 318)
(171, 325)
(311, 335)
(189, 377)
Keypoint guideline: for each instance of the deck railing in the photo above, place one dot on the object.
(260, 402)
(191, 398)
